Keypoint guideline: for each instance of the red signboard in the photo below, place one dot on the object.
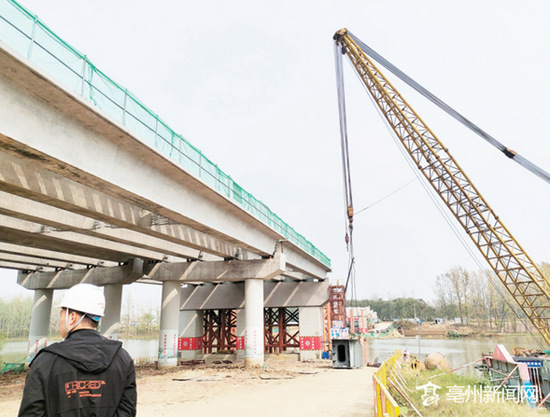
(240, 342)
(311, 342)
(190, 343)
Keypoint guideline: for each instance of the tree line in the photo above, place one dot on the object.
(15, 317)
(136, 319)
(400, 308)
(480, 297)
(474, 297)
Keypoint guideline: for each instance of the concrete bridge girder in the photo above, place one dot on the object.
(14, 230)
(43, 121)
(29, 260)
(24, 209)
(24, 267)
(33, 183)
(49, 255)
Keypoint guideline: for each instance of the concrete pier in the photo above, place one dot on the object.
(311, 333)
(169, 324)
(190, 335)
(110, 323)
(241, 328)
(40, 322)
(254, 328)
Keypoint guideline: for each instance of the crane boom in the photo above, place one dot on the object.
(519, 274)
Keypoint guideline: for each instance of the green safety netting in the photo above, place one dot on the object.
(13, 367)
(27, 34)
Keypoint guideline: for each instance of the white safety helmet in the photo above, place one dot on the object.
(85, 298)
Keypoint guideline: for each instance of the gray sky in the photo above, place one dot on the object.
(252, 85)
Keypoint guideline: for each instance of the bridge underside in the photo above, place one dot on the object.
(83, 199)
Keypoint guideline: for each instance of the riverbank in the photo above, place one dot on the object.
(290, 388)
(452, 330)
(438, 395)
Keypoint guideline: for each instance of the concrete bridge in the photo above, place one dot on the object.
(96, 188)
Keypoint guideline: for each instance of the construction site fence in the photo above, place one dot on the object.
(384, 403)
(28, 35)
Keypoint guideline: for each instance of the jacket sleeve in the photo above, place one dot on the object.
(127, 405)
(33, 403)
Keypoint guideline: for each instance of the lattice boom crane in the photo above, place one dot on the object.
(519, 274)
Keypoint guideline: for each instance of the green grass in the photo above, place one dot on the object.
(469, 407)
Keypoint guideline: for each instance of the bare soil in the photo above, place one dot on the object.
(281, 388)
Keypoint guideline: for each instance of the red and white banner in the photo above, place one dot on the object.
(311, 343)
(190, 343)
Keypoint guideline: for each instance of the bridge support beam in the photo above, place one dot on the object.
(191, 329)
(169, 324)
(311, 333)
(40, 323)
(217, 271)
(254, 329)
(110, 323)
(63, 279)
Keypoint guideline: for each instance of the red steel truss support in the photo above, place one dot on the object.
(335, 310)
(281, 329)
(337, 302)
(220, 330)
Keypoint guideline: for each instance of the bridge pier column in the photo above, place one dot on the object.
(191, 330)
(110, 323)
(241, 327)
(40, 323)
(311, 332)
(254, 317)
(169, 324)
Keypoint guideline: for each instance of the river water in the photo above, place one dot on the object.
(16, 351)
(458, 351)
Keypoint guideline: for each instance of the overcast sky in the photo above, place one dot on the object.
(252, 85)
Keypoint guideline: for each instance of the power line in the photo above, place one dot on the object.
(389, 195)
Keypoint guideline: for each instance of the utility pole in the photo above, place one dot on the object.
(419, 325)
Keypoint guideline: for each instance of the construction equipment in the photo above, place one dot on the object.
(519, 274)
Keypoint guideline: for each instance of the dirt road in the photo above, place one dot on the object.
(282, 388)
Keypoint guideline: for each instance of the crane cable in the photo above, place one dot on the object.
(539, 172)
(348, 195)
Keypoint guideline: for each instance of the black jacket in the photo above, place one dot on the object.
(85, 375)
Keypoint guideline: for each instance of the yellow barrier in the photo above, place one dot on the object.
(384, 404)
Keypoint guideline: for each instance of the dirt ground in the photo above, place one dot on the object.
(283, 388)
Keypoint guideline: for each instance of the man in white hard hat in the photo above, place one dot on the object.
(85, 374)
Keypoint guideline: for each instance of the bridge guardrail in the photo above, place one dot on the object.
(27, 34)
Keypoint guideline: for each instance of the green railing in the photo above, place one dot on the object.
(28, 35)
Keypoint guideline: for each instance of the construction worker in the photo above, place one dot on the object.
(85, 374)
